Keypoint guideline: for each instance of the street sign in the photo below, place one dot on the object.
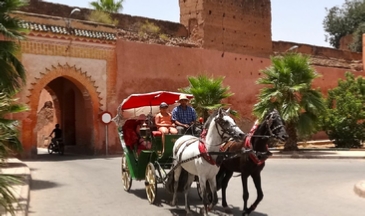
(106, 117)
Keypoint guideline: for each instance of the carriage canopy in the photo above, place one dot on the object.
(144, 103)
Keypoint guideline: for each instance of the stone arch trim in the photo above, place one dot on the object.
(80, 78)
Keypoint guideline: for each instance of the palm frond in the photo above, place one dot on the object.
(7, 196)
(287, 88)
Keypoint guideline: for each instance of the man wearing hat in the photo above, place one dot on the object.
(184, 116)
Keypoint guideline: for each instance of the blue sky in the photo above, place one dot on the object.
(292, 20)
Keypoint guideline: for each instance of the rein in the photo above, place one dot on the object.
(229, 131)
(255, 155)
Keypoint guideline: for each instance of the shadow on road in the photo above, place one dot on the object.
(43, 156)
(41, 184)
(164, 199)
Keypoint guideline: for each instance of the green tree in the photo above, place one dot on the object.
(12, 74)
(356, 44)
(109, 6)
(208, 92)
(343, 21)
(345, 119)
(288, 88)
(9, 142)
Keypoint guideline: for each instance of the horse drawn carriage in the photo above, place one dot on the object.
(140, 163)
(194, 155)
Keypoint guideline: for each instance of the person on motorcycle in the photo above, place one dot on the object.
(57, 134)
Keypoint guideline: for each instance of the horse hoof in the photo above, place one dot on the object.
(189, 213)
(203, 212)
(227, 210)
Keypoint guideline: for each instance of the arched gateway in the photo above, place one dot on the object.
(78, 101)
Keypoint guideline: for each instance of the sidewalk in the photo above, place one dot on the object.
(17, 167)
(21, 191)
(320, 154)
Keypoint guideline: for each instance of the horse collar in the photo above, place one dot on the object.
(204, 153)
(256, 160)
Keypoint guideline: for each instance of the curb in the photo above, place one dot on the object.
(359, 189)
(298, 156)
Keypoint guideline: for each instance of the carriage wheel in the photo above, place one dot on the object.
(126, 176)
(151, 183)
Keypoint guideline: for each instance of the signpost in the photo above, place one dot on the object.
(106, 118)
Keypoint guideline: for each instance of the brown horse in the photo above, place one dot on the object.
(251, 163)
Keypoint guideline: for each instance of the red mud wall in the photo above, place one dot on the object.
(282, 46)
(240, 26)
(144, 68)
(125, 21)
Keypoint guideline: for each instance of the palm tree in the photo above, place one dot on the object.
(9, 141)
(9, 144)
(289, 89)
(208, 94)
(12, 74)
(109, 6)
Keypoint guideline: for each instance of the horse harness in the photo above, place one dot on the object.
(202, 149)
(259, 157)
(202, 144)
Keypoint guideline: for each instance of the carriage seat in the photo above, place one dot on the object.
(156, 133)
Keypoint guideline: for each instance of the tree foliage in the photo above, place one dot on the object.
(288, 88)
(341, 21)
(208, 92)
(110, 6)
(356, 44)
(345, 119)
(12, 74)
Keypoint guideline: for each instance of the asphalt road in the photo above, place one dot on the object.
(71, 185)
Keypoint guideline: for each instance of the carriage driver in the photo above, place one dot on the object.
(184, 116)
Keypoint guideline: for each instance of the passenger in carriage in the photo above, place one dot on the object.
(164, 123)
(163, 120)
(142, 144)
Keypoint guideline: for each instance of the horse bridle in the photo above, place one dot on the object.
(225, 130)
(269, 123)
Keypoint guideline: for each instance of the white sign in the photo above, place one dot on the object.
(106, 117)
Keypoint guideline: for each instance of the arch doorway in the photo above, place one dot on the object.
(62, 102)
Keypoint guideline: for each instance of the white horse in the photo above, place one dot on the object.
(187, 154)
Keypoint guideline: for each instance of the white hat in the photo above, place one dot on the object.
(183, 97)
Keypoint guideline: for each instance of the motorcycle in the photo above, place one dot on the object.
(56, 146)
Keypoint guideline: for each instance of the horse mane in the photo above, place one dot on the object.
(209, 119)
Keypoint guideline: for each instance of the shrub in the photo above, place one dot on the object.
(102, 17)
(344, 122)
(149, 28)
(163, 37)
